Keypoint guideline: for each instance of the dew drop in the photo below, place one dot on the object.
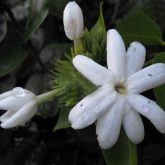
(18, 92)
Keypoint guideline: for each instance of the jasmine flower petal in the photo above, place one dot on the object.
(94, 72)
(149, 109)
(13, 102)
(5, 95)
(88, 109)
(21, 116)
(116, 54)
(133, 125)
(135, 57)
(6, 115)
(147, 78)
(109, 124)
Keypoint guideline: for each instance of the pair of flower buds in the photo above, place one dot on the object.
(117, 99)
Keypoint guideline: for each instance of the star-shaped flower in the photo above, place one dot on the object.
(117, 100)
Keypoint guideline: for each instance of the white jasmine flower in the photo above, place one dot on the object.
(117, 100)
(73, 21)
(21, 106)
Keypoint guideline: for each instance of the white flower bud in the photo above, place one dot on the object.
(21, 106)
(73, 21)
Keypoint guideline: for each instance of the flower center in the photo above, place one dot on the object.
(120, 88)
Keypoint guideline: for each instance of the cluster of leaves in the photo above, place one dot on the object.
(71, 86)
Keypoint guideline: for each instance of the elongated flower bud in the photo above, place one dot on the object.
(73, 21)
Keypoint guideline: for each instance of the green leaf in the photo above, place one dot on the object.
(137, 26)
(98, 31)
(36, 18)
(160, 91)
(11, 56)
(123, 153)
(56, 7)
(95, 40)
(62, 120)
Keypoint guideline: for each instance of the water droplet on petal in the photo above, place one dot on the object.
(18, 92)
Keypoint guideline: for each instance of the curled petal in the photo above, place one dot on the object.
(88, 109)
(14, 102)
(133, 125)
(149, 109)
(6, 115)
(116, 54)
(21, 116)
(94, 72)
(135, 57)
(108, 125)
(147, 78)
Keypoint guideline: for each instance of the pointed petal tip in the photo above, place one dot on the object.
(138, 139)
(111, 31)
(162, 130)
(77, 125)
(147, 78)
(84, 120)
(137, 46)
(77, 58)
(74, 126)
(5, 125)
(114, 35)
(105, 143)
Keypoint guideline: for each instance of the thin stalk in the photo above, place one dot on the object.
(78, 48)
(48, 96)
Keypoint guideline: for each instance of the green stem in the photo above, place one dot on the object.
(46, 96)
(78, 47)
